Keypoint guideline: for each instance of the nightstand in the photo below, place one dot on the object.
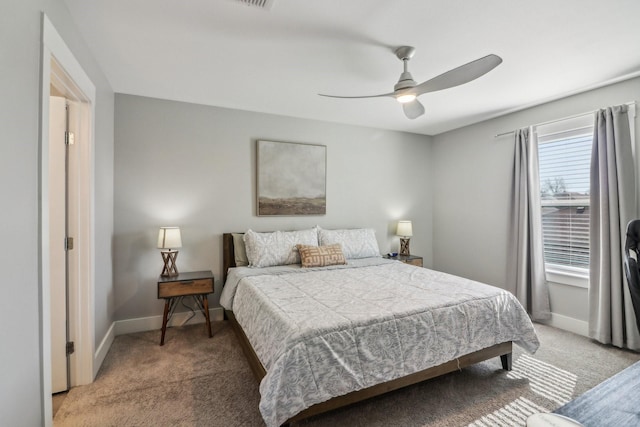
(407, 259)
(196, 284)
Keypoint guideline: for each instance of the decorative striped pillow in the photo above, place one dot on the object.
(321, 256)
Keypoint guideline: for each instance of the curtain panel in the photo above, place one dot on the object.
(526, 257)
(613, 205)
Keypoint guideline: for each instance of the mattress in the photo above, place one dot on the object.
(324, 332)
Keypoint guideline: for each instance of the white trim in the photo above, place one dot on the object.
(82, 313)
(56, 45)
(143, 324)
(103, 349)
(573, 132)
(565, 275)
(45, 270)
(580, 327)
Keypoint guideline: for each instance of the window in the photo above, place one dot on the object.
(564, 156)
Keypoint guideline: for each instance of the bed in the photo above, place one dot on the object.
(320, 338)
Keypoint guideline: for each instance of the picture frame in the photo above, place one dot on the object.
(291, 178)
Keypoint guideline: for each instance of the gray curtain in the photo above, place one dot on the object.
(526, 264)
(613, 205)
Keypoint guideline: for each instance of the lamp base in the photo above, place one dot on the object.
(404, 246)
(169, 258)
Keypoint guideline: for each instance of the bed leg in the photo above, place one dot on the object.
(506, 361)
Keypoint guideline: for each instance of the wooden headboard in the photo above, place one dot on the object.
(228, 254)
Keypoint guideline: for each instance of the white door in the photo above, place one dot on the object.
(57, 234)
(63, 76)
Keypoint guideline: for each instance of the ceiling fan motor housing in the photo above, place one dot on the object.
(405, 81)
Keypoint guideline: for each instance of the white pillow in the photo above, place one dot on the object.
(277, 248)
(356, 243)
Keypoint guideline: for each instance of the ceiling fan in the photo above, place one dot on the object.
(406, 91)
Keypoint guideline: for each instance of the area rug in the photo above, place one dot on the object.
(614, 402)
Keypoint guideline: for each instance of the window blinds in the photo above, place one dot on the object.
(564, 164)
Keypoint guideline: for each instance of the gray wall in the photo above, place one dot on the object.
(194, 166)
(472, 179)
(20, 334)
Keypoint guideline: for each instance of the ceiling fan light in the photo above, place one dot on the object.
(403, 99)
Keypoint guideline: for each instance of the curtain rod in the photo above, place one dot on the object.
(629, 104)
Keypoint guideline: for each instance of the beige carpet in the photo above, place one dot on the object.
(196, 381)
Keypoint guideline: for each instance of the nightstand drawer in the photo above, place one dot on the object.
(185, 287)
(407, 259)
(415, 261)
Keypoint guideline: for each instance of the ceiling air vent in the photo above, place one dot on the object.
(262, 4)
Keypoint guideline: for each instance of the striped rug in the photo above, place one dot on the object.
(550, 382)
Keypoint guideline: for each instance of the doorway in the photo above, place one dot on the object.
(63, 78)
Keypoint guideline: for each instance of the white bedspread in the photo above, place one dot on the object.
(329, 331)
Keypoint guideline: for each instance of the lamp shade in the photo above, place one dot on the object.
(169, 238)
(404, 229)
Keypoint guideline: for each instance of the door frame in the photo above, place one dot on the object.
(81, 309)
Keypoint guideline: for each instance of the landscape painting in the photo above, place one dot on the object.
(291, 178)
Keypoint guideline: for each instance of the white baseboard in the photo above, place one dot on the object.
(143, 324)
(103, 349)
(570, 324)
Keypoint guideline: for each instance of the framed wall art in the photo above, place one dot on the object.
(291, 178)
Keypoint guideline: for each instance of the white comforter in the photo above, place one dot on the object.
(322, 333)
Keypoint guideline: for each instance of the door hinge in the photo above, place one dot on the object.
(71, 347)
(68, 243)
(69, 138)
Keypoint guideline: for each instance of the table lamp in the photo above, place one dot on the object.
(404, 231)
(169, 240)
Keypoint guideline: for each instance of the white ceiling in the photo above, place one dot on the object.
(225, 53)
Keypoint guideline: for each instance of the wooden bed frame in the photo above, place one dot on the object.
(503, 350)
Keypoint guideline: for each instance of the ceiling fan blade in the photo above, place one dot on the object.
(463, 74)
(354, 97)
(413, 109)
